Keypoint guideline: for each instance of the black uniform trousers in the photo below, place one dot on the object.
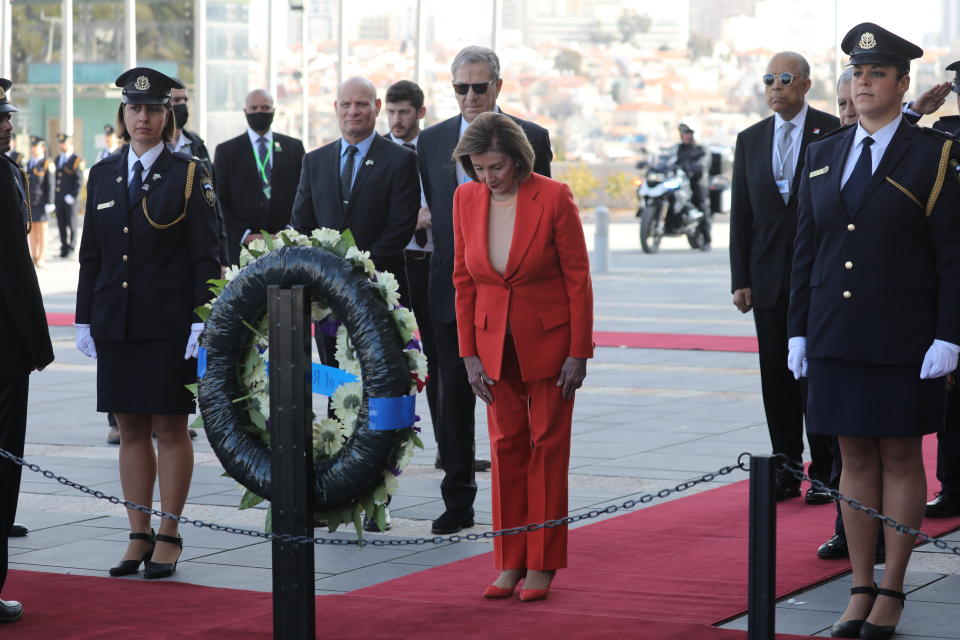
(784, 398)
(13, 430)
(66, 222)
(417, 267)
(948, 445)
(456, 405)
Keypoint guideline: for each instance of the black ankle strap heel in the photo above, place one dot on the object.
(852, 628)
(129, 567)
(871, 631)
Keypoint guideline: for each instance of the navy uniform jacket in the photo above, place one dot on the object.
(878, 284)
(41, 183)
(69, 179)
(138, 282)
(438, 173)
(949, 124)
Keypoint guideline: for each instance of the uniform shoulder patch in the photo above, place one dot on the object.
(937, 133)
(185, 157)
(206, 186)
(833, 133)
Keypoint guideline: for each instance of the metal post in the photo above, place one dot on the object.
(200, 65)
(6, 41)
(272, 48)
(305, 78)
(497, 23)
(129, 34)
(761, 588)
(66, 70)
(341, 44)
(294, 607)
(419, 73)
(601, 240)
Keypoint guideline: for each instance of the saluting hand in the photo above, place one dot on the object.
(478, 378)
(572, 373)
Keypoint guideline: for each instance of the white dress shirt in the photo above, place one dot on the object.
(881, 140)
(146, 160)
(796, 135)
(183, 141)
(412, 245)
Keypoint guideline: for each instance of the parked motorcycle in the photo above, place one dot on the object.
(665, 207)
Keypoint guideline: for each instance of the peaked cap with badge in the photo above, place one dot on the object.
(869, 43)
(5, 105)
(143, 85)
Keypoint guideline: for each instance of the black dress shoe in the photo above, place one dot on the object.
(852, 628)
(870, 631)
(10, 610)
(370, 525)
(817, 496)
(130, 567)
(154, 570)
(481, 465)
(945, 505)
(786, 490)
(452, 521)
(18, 530)
(836, 548)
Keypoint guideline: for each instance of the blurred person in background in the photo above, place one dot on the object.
(69, 179)
(42, 180)
(111, 144)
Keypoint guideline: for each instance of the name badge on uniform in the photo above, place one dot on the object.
(783, 186)
(819, 172)
(105, 205)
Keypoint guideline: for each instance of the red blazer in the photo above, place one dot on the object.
(545, 291)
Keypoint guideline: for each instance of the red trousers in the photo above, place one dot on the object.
(529, 425)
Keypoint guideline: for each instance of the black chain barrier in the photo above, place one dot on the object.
(395, 542)
(784, 463)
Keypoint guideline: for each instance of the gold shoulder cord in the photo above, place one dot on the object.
(26, 192)
(187, 192)
(941, 176)
(905, 192)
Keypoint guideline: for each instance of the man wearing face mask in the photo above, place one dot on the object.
(190, 143)
(257, 175)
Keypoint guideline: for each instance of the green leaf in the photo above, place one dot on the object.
(258, 420)
(267, 239)
(346, 241)
(249, 500)
(380, 515)
(203, 312)
(198, 423)
(192, 388)
(287, 241)
(380, 494)
(358, 520)
(217, 282)
(415, 439)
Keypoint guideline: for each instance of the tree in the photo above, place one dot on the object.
(580, 179)
(630, 23)
(569, 60)
(700, 46)
(619, 186)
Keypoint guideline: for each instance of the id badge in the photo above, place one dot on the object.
(266, 192)
(783, 186)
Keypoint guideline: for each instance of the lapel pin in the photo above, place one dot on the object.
(119, 179)
(146, 187)
(816, 131)
(156, 176)
(368, 163)
(276, 146)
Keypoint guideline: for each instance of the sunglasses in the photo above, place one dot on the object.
(955, 87)
(785, 78)
(479, 88)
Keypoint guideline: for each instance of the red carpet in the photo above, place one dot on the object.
(665, 572)
(627, 339)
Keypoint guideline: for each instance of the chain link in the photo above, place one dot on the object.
(784, 463)
(389, 542)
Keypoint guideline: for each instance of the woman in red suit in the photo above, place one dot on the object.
(525, 323)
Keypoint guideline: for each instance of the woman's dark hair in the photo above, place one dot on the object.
(495, 132)
(168, 128)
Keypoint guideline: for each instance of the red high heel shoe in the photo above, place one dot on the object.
(493, 592)
(532, 595)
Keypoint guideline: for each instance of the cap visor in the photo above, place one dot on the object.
(145, 99)
(8, 108)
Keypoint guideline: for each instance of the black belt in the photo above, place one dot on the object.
(417, 255)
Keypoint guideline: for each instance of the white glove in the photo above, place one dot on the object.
(69, 199)
(797, 356)
(940, 359)
(49, 208)
(85, 342)
(193, 342)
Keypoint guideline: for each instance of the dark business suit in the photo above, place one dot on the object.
(69, 180)
(762, 230)
(198, 149)
(24, 341)
(243, 204)
(456, 400)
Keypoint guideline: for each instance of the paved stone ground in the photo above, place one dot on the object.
(644, 420)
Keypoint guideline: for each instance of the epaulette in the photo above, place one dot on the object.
(116, 157)
(833, 133)
(185, 157)
(945, 135)
(950, 118)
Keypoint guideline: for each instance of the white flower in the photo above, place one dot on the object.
(325, 238)
(346, 403)
(360, 258)
(417, 362)
(389, 288)
(406, 454)
(232, 272)
(257, 245)
(292, 236)
(345, 354)
(328, 436)
(319, 311)
(390, 482)
(406, 323)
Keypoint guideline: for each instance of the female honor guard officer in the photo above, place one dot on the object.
(150, 243)
(875, 307)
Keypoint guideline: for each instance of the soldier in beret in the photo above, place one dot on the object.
(24, 337)
(874, 319)
(150, 243)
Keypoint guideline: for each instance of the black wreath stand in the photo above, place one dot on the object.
(294, 604)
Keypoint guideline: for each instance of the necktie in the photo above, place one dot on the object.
(419, 235)
(786, 161)
(264, 162)
(136, 184)
(346, 176)
(855, 188)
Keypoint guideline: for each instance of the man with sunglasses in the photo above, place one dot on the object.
(768, 163)
(476, 85)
